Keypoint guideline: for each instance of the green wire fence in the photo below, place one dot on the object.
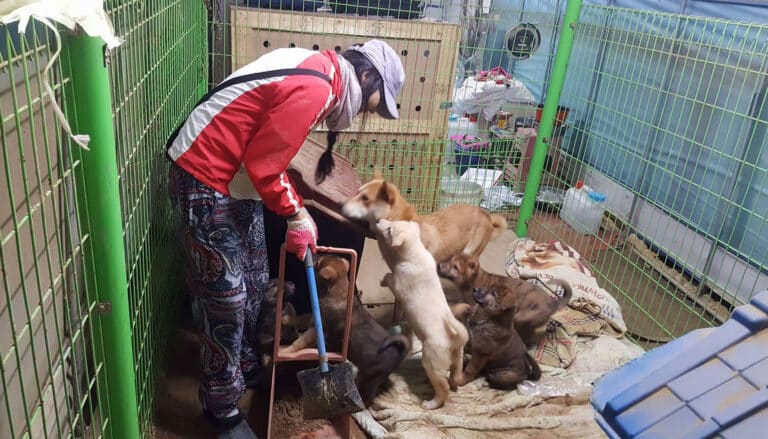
(48, 335)
(156, 77)
(666, 114)
(90, 279)
(669, 119)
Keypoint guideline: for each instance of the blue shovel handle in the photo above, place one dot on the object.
(310, 266)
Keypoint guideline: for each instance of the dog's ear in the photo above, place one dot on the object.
(387, 192)
(377, 175)
(506, 299)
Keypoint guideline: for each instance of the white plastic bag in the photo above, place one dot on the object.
(89, 14)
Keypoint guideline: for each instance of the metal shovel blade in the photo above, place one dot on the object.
(329, 394)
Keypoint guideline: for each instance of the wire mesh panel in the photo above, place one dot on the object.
(668, 119)
(48, 366)
(156, 78)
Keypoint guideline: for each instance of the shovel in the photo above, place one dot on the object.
(329, 390)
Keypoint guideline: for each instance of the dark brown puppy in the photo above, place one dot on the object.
(374, 351)
(531, 306)
(498, 352)
(265, 333)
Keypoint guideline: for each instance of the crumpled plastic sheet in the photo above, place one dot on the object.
(487, 97)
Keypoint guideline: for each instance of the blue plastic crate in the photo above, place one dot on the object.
(710, 382)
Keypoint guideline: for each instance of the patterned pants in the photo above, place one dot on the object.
(226, 273)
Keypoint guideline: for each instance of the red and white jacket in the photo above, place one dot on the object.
(258, 120)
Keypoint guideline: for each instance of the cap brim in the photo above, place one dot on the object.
(391, 103)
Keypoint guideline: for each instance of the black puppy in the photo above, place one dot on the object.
(498, 352)
(266, 321)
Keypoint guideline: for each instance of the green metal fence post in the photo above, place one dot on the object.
(559, 70)
(90, 110)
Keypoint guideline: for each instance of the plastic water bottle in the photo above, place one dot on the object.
(583, 209)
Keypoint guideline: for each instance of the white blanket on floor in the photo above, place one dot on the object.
(477, 411)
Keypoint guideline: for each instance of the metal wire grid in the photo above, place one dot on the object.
(669, 118)
(48, 368)
(156, 77)
(663, 290)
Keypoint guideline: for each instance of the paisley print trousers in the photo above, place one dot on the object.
(226, 273)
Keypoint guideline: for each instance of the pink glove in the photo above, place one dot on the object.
(301, 233)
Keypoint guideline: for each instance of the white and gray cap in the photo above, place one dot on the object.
(388, 64)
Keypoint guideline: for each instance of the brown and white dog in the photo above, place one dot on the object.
(531, 305)
(459, 228)
(375, 352)
(416, 286)
(498, 352)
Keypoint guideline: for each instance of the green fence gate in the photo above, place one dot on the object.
(89, 279)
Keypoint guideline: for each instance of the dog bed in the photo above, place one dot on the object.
(580, 344)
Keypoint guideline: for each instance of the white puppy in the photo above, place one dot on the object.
(416, 285)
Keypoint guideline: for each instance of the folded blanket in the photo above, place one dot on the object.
(535, 409)
(592, 311)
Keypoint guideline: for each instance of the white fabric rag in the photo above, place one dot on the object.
(88, 14)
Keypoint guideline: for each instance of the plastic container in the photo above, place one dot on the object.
(468, 152)
(461, 125)
(708, 383)
(455, 191)
(583, 209)
(457, 126)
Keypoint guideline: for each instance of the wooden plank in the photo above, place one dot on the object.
(333, 24)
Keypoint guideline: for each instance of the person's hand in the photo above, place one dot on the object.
(301, 234)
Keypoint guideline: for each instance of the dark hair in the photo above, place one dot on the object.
(371, 85)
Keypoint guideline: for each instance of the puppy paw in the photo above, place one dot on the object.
(432, 404)
(457, 380)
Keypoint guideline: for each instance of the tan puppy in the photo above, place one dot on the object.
(416, 286)
(531, 306)
(459, 228)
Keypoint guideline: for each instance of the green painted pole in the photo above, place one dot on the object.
(559, 70)
(98, 197)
